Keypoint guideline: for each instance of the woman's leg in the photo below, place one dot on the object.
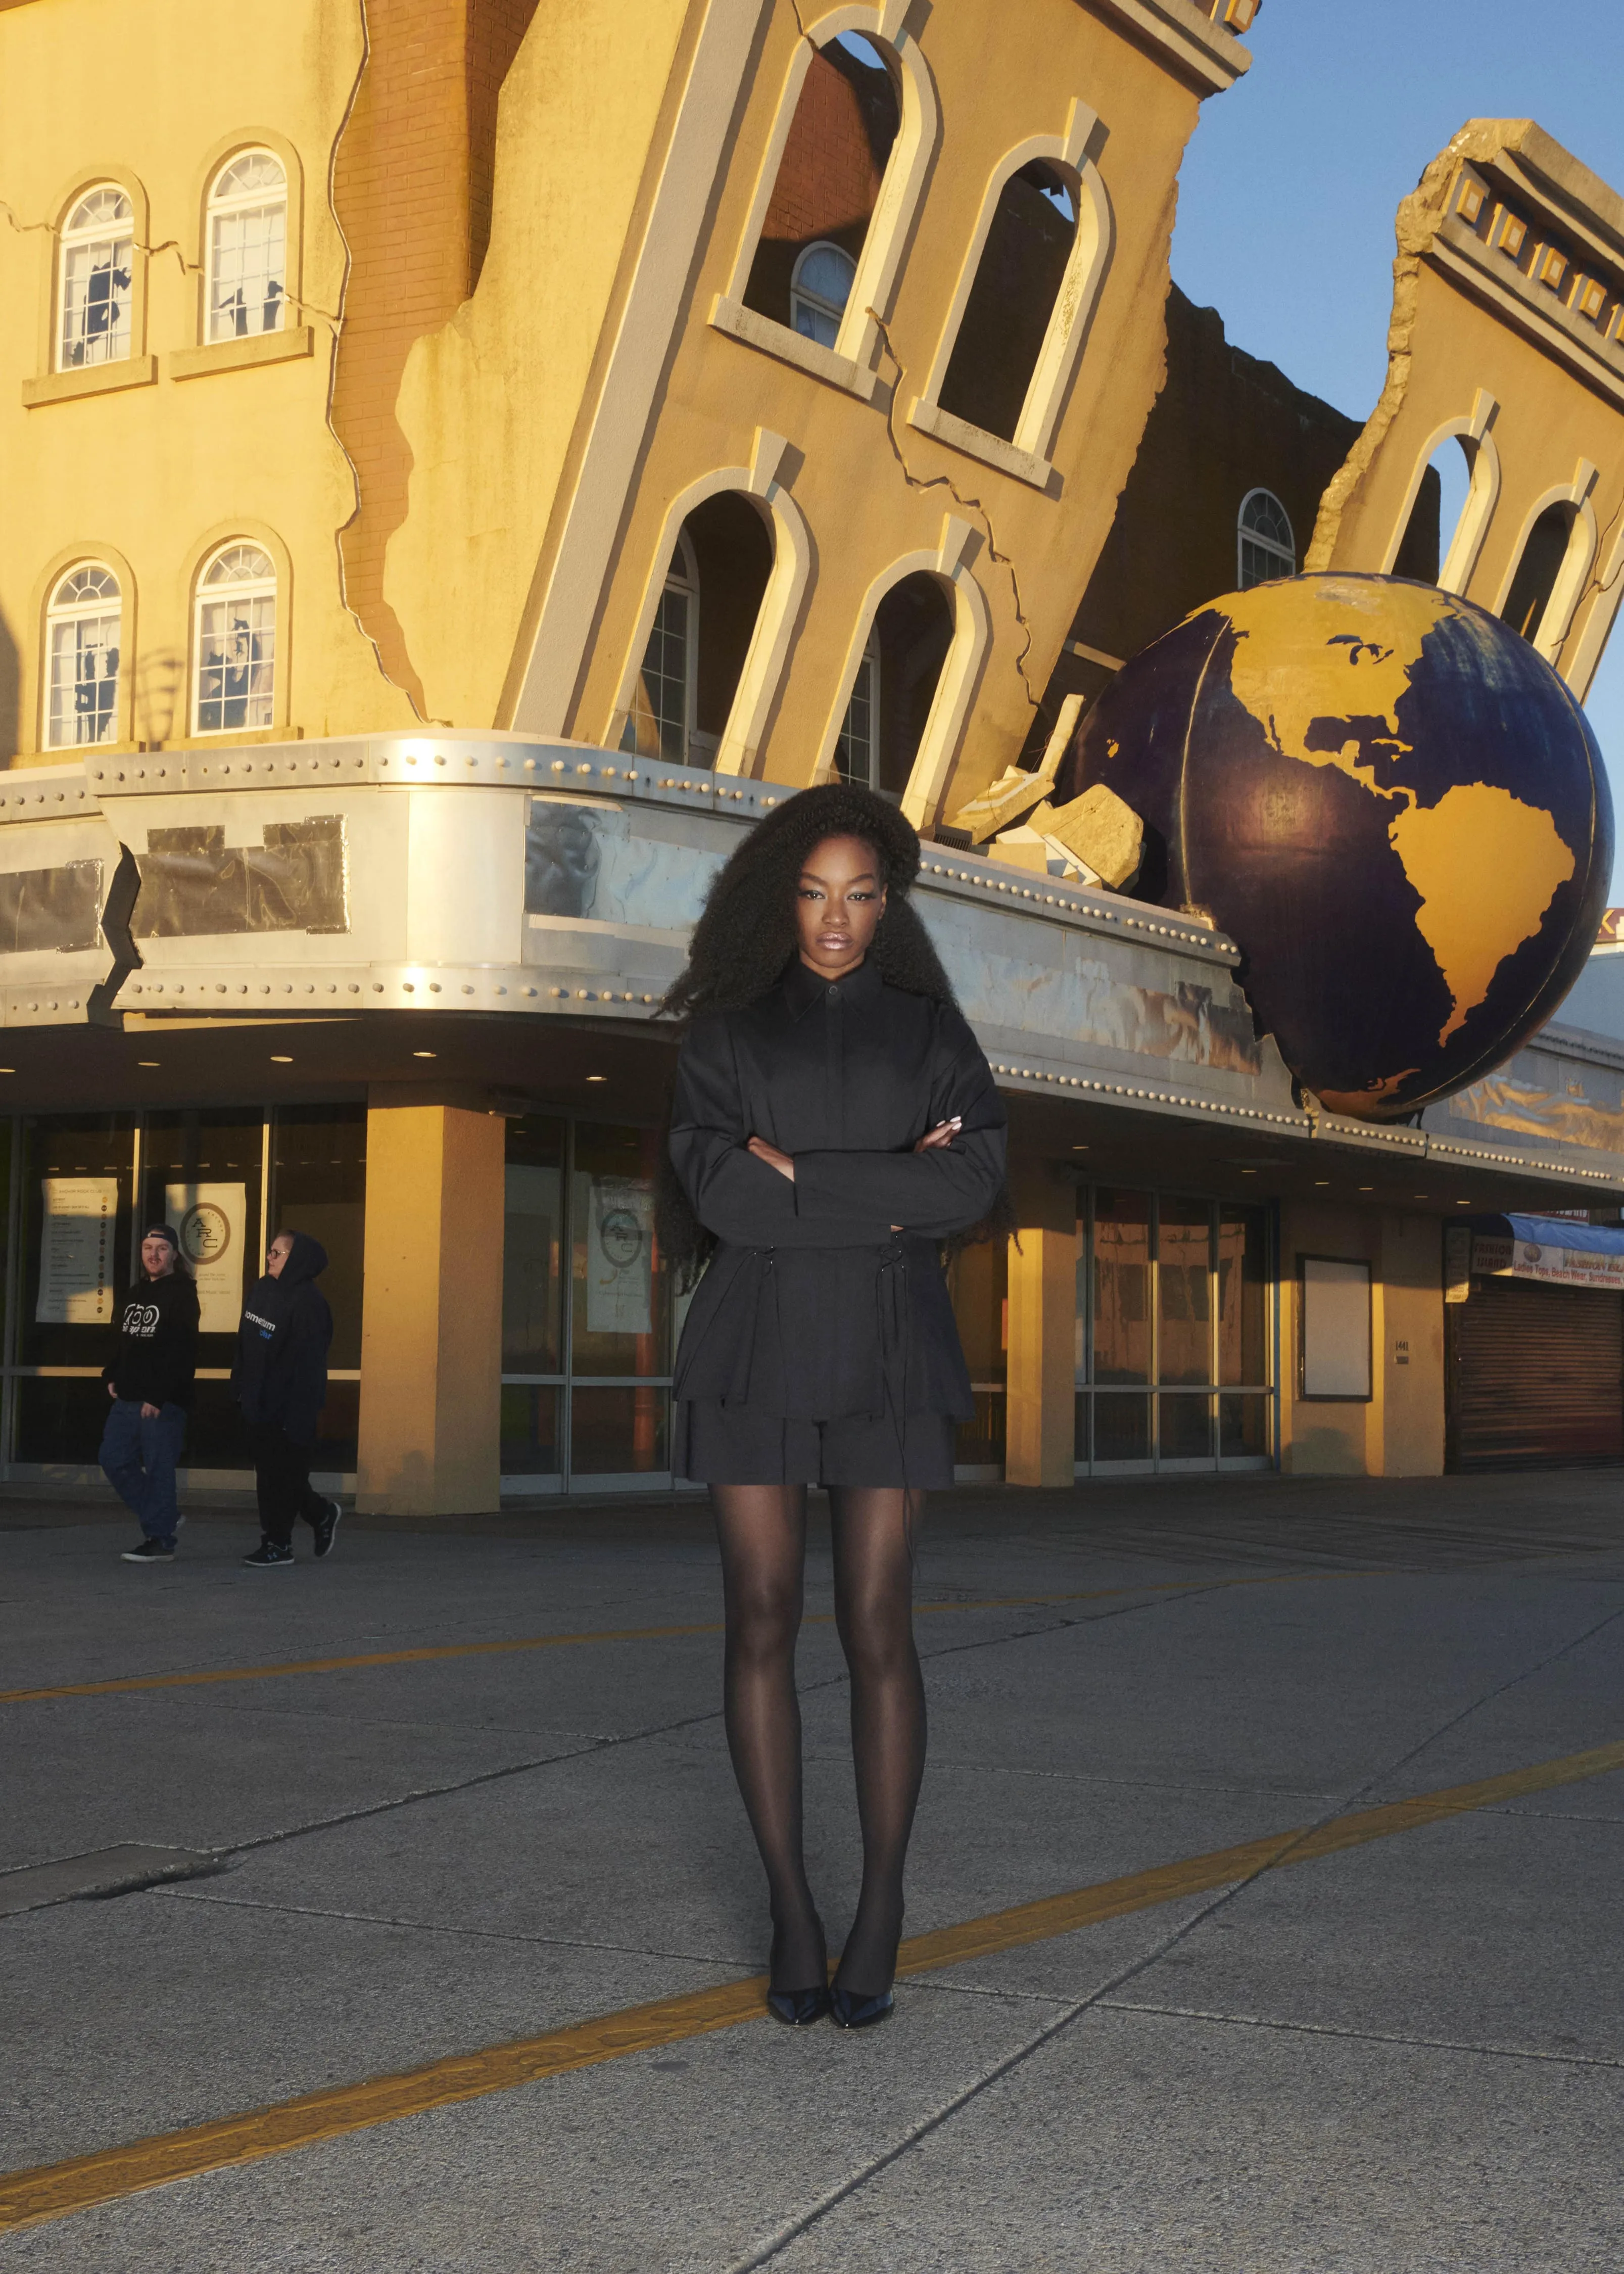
(762, 1530)
(873, 1608)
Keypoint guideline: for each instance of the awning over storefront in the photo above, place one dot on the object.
(1552, 1248)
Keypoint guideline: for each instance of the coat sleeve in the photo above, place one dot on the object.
(934, 1193)
(180, 1347)
(741, 1199)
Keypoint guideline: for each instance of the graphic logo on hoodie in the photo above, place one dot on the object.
(268, 1326)
(140, 1320)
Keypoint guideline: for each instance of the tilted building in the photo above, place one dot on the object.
(462, 463)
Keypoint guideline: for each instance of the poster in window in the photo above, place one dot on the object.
(619, 1275)
(211, 1224)
(1336, 1327)
(75, 1251)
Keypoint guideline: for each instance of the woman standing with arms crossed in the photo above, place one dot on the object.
(834, 1121)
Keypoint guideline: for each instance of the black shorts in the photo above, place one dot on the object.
(731, 1445)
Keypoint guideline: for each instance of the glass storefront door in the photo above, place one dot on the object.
(1172, 1335)
(586, 1375)
(81, 1188)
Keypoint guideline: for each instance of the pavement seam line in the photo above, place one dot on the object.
(428, 1653)
(47, 2192)
(1361, 2037)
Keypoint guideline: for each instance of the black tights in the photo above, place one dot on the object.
(762, 1530)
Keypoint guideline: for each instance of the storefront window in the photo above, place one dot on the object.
(1172, 1303)
(533, 1249)
(78, 1183)
(619, 1308)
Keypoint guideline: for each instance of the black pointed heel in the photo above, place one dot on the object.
(847, 2010)
(798, 2009)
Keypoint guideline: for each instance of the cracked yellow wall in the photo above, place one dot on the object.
(489, 404)
(494, 404)
(152, 473)
(862, 509)
(1445, 343)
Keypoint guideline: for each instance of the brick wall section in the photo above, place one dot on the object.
(412, 187)
(828, 179)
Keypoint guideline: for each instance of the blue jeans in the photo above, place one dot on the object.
(137, 1460)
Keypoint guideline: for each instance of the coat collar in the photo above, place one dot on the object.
(802, 988)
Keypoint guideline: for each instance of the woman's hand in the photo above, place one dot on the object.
(774, 1159)
(943, 1133)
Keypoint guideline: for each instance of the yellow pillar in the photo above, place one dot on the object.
(1042, 1361)
(431, 1317)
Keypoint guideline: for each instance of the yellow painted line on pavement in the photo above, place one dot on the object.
(431, 1651)
(52, 2191)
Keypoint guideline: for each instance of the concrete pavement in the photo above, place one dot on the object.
(1402, 2057)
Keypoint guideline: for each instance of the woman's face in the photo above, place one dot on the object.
(840, 899)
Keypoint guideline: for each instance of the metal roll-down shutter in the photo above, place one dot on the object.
(1536, 1376)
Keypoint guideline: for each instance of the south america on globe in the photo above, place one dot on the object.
(1392, 804)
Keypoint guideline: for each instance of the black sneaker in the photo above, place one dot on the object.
(325, 1530)
(269, 1556)
(151, 1551)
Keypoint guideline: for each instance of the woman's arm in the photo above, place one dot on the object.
(936, 1191)
(733, 1194)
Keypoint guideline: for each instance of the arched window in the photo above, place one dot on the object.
(857, 749)
(95, 268)
(1006, 317)
(247, 254)
(661, 712)
(236, 641)
(83, 632)
(827, 186)
(1441, 503)
(701, 633)
(820, 286)
(1266, 545)
(1538, 570)
(912, 631)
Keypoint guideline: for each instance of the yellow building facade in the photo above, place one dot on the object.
(462, 463)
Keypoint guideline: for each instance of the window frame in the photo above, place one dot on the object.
(1264, 545)
(682, 576)
(52, 362)
(798, 293)
(215, 209)
(57, 614)
(853, 362)
(201, 598)
(1027, 454)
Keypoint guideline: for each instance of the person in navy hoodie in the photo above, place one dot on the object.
(149, 1380)
(280, 1380)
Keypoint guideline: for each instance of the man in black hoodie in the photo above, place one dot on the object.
(280, 1380)
(149, 1380)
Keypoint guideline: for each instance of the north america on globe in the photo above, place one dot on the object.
(1388, 799)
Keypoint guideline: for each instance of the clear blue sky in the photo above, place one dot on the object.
(1287, 194)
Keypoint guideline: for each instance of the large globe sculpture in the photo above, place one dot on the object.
(1389, 801)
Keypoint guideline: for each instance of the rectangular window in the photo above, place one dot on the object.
(236, 663)
(96, 274)
(248, 262)
(620, 1321)
(1172, 1305)
(1335, 1338)
(533, 1247)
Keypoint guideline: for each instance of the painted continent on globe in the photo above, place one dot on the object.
(1388, 799)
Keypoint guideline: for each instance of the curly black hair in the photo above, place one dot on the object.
(746, 934)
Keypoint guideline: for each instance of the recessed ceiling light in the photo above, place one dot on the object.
(1248, 1172)
(277, 1059)
(146, 1062)
(597, 1077)
(1423, 1196)
(1320, 1183)
(1367, 1188)
(423, 1054)
(1462, 1203)
(1081, 1149)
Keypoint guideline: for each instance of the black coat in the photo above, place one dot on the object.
(812, 1307)
(280, 1373)
(156, 1353)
